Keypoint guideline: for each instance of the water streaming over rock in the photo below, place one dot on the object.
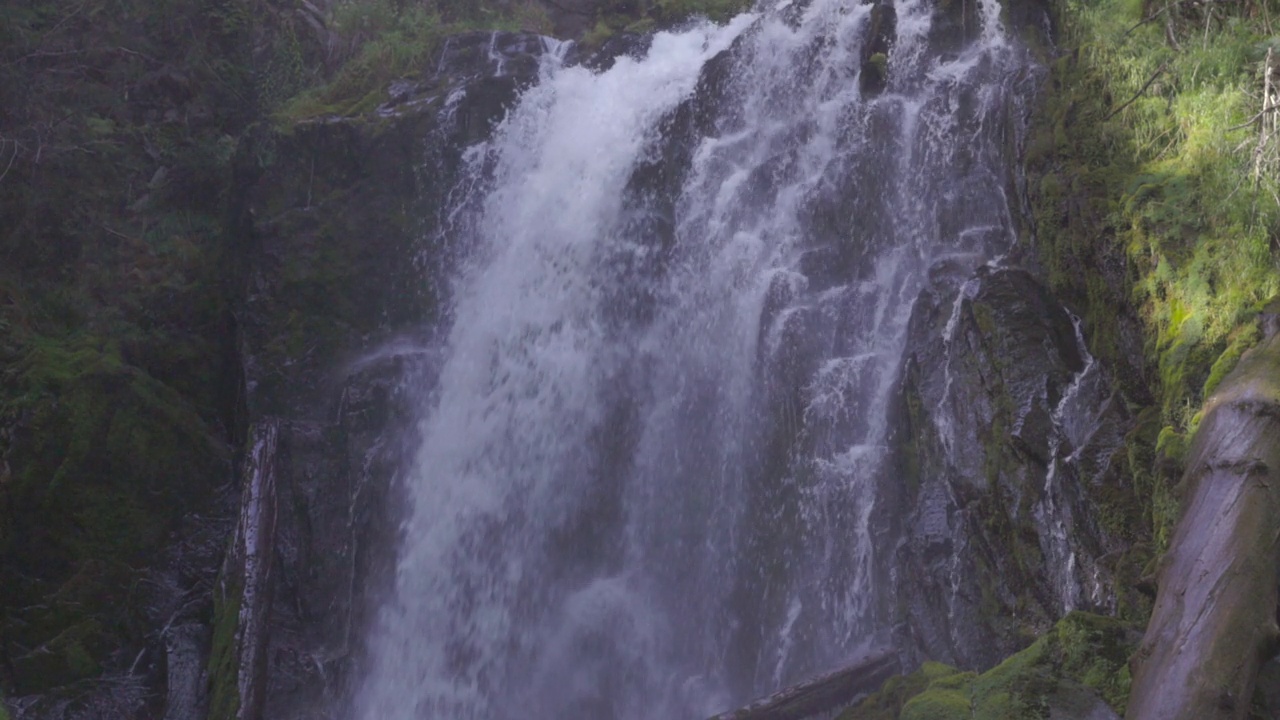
(647, 485)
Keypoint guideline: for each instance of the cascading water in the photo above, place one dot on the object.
(647, 481)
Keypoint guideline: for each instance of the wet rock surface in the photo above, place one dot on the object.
(1007, 430)
(350, 248)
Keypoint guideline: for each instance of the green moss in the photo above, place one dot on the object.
(642, 26)
(938, 703)
(880, 62)
(68, 657)
(224, 693)
(888, 703)
(1240, 341)
(1171, 445)
(1094, 652)
(598, 35)
(1081, 650)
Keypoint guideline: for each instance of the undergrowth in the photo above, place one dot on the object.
(1146, 194)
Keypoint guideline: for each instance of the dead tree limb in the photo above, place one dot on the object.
(1163, 66)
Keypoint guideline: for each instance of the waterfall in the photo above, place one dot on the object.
(646, 486)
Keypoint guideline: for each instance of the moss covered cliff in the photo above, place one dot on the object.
(1153, 185)
(132, 135)
(131, 132)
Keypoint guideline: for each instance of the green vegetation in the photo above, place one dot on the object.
(368, 43)
(224, 700)
(1143, 181)
(118, 137)
(718, 10)
(616, 16)
(1081, 651)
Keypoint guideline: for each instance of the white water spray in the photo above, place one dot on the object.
(647, 476)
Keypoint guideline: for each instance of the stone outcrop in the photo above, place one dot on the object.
(1006, 434)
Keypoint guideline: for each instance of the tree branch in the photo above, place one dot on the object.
(1163, 66)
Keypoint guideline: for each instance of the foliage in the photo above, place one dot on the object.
(119, 128)
(1142, 180)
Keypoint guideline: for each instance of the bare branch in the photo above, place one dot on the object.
(1163, 66)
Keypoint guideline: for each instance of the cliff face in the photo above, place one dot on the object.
(177, 271)
(190, 300)
(349, 222)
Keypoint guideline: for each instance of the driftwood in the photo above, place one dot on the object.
(824, 693)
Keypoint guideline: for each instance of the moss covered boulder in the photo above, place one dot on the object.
(1076, 671)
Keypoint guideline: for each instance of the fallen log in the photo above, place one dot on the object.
(1214, 622)
(824, 693)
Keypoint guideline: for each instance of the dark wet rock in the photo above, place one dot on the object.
(573, 18)
(875, 56)
(340, 487)
(1214, 622)
(619, 45)
(956, 23)
(1269, 319)
(186, 651)
(820, 695)
(351, 242)
(997, 474)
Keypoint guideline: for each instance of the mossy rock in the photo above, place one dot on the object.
(946, 698)
(888, 703)
(1080, 663)
(875, 74)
